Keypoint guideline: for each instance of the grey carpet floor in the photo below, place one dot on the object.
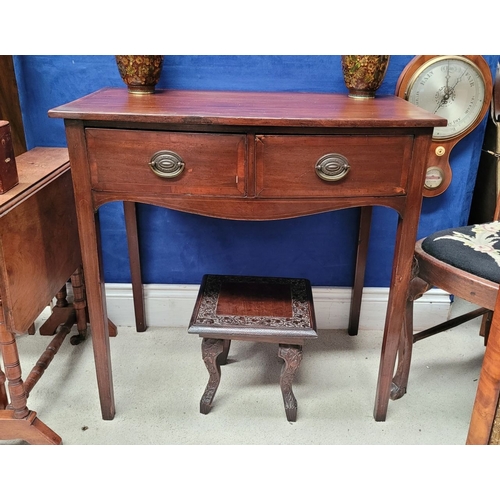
(159, 377)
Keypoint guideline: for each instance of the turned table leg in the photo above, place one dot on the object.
(292, 355)
(3, 392)
(18, 422)
(80, 306)
(12, 368)
(210, 349)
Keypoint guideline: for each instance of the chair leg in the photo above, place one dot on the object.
(400, 380)
(485, 326)
(210, 349)
(416, 289)
(292, 355)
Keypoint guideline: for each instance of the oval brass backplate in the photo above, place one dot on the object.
(332, 167)
(166, 164)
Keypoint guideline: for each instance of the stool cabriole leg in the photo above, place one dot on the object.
(292, 355)
(222, 359)
(210, 350)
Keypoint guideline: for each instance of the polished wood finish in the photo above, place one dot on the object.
(257, 309)
(192, 109)
(39, 251)
(258, 182)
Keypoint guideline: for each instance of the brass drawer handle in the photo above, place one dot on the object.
(166, 164)
(332, 167)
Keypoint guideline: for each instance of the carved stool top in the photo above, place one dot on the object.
(259, 308)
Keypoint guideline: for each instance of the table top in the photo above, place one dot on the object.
(34, 167)
(288, 109)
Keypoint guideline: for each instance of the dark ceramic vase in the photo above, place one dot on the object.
(141, 74)
(363, 75)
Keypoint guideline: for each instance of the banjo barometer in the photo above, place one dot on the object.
(457, 88)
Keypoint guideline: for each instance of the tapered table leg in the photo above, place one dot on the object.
(130, 211)
(359, 276)
(88, 229)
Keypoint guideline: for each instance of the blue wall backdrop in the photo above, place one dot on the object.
(178, 247)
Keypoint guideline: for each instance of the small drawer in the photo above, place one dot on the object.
(326, 166)
(169, 163)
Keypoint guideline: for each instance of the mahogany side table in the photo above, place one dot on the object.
(248, 156)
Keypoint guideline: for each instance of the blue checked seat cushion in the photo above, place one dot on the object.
(475, 249)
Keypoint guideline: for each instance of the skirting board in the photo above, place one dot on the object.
(172, 305)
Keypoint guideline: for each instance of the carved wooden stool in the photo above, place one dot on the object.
(276, 310)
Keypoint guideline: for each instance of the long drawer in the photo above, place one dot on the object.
(332, 166)
(170, 163)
